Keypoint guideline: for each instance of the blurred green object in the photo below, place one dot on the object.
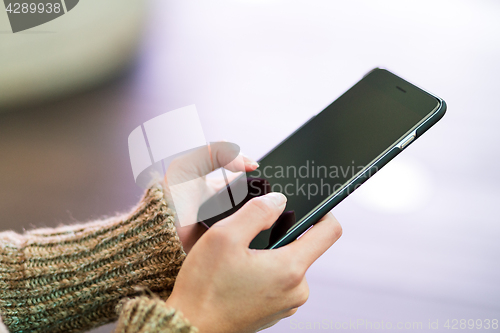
(88, 45)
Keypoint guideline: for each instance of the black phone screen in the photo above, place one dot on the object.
(322, 156)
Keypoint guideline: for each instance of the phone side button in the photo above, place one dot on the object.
(406, 141)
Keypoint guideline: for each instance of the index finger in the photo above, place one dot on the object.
(201, 161)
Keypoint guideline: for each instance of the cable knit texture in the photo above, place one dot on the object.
(72, 278)
(144, 315)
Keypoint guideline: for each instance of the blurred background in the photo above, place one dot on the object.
(421, 238)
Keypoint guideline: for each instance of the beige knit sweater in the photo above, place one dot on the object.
(74, 278)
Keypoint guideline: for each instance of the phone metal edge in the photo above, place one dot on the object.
(437, 113)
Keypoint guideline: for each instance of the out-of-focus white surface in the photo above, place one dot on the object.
(87, 45)
(402, 186)
(256, 70)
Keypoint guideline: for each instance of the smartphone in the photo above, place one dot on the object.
(336, 151)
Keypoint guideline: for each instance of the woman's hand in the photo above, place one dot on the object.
(189, 171)
(223, 286)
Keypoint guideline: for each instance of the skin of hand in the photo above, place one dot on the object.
(190, 170)
(223, 286)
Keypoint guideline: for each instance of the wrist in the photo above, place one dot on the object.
(194, 312)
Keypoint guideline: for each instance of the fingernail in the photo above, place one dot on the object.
(252, 164)
(276, 198)
(249, 161)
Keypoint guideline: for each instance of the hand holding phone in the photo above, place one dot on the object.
(224, 286)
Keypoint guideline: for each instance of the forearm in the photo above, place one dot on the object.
(71, 278)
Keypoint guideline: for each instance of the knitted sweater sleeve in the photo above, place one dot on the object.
(74, 278)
